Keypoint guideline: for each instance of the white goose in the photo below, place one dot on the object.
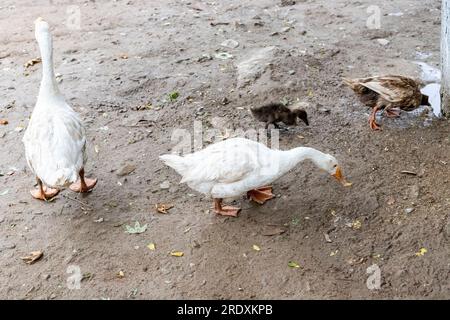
(55, 140)
(237, 166)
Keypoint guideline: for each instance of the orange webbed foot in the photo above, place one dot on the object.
(225, 210)
(84, 185)
(392, 113)
(228, 211)
(44, 193)
(261, 195)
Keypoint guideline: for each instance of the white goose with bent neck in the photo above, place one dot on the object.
(55, 139)
(237, 166)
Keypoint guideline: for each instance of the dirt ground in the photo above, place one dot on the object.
(118, 70)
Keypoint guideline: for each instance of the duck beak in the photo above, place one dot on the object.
(340, 177)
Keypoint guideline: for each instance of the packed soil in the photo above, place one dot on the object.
(122, 71)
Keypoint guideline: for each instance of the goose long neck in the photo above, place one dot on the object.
(49, 86)
(295, 156)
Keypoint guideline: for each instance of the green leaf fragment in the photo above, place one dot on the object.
(136, 229)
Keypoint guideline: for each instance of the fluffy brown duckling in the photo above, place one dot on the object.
(389, 93)
(277, 112)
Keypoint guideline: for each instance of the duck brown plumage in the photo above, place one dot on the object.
(387, 93)
(277, 112)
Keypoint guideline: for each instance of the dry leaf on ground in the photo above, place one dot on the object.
(163, 208)
(32, 62)
(33, 257)
(421, 252)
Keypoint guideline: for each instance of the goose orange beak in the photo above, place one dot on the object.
(340, 177)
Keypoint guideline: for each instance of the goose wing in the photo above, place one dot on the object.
(55, 147)
(225, 162)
